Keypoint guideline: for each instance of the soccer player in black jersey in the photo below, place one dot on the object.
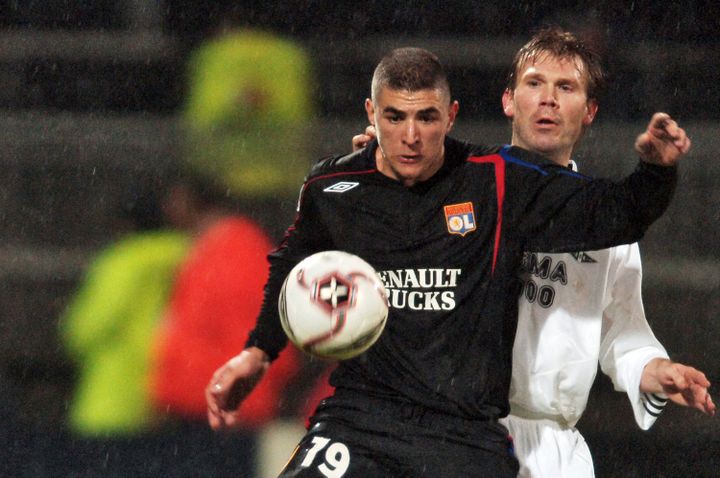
(445, 224)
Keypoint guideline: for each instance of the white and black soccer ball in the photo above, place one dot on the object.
(333, 305)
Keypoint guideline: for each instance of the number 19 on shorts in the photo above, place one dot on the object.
(332, 459)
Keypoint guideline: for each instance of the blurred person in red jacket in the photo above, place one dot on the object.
(217, 293)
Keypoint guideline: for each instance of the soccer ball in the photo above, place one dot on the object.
(333, 305)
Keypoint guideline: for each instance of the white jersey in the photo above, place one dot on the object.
(576, 309)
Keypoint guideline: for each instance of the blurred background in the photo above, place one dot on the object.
(100, 96)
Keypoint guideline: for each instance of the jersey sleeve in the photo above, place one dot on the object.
(627, 342)
(555, 209)
(304, 237)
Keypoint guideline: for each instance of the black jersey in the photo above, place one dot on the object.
(448, 250)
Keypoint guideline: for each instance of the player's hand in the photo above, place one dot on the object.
(231, 383)
(664, 142)
(361, 140)
(683, 384)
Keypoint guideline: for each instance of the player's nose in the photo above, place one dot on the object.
(410, 133)
(548, 96)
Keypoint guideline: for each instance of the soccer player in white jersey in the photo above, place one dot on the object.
(581, 308)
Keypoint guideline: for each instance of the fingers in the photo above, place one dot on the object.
(698, 397)
(658, 121)
(231, 383)
(696, 391)
(215, 396)
(644, 146)
(222, 407)
(683, 144)
(219, 395)
(710, 405)
(664, 142)
(222, 420)
(359, 141)
(215, 419)
(663, 127)
(696, 376)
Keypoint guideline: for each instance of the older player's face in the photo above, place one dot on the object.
(411, 128)
(549, 107)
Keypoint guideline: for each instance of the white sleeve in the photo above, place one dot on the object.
(627, 342)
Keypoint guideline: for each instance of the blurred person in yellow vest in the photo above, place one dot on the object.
(108, 329)
(110, 322)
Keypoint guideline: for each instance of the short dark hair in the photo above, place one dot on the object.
(560, 44)
(411, 69)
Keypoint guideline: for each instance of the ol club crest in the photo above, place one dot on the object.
(460, 218)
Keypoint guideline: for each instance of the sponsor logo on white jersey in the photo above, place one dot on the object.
(341, 187)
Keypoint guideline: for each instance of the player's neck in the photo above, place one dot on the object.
(561, 158)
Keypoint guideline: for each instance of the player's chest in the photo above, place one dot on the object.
(443, 221)
(575, 279)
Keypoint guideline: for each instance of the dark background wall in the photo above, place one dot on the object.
(90, 92)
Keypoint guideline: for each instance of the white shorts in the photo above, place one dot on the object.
(548, 449)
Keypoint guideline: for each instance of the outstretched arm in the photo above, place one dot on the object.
(231, 383)
(664, 142)
(682, 384)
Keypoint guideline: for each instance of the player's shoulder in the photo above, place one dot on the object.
(523, 157)
(529, 161)
(463, 149)
(479, 153)
(506, 153)
(342, 163)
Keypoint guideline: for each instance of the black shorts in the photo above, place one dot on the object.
(368, 438)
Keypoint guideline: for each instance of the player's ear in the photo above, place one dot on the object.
(508, 102)
(591, 111)
(452, 114)
(370, 109)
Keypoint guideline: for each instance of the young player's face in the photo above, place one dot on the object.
(411, 128)
(549, 107)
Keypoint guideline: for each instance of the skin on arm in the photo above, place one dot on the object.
(682, 384)
(231, 383)
(664, 142)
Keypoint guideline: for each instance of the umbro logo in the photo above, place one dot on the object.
(340, 187)
(582, 257)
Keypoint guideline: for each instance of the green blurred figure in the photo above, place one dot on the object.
(109, 326)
